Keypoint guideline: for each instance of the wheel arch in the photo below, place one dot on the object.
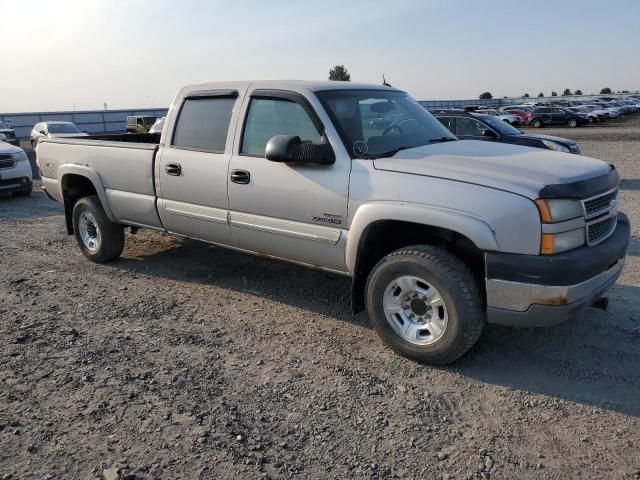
(379, 229)
(77, 181)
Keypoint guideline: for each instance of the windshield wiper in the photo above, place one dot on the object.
(390, 153)
(443, 139)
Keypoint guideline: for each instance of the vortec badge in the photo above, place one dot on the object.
(330, 218)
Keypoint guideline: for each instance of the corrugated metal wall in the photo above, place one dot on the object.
(92, 121)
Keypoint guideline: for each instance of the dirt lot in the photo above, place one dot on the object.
(185, 361)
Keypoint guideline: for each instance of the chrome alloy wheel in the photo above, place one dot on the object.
(415, 310)
(89, 231)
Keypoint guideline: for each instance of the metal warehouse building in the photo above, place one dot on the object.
(91, 121)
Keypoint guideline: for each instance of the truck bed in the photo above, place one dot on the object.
(123, 164)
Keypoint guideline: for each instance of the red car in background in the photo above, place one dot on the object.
(523, 112)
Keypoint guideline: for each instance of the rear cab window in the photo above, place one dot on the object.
(203, 123)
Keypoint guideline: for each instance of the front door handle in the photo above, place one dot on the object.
(240, 176)
(173, 169)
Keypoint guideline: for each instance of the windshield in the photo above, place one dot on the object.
(377, 123)
(63, 128)
(502, 126)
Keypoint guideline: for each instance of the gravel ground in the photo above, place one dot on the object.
(182, 360)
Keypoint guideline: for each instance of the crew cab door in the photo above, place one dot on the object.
(293, 211)
(191, 172)
(559, 116)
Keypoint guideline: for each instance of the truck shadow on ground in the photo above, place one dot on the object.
(593, 359)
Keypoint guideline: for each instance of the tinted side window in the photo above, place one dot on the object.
(446, 121)
(269, 117)
(469, 127)
(203, 124)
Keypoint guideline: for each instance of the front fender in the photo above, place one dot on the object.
(474, 228)
(90, 174)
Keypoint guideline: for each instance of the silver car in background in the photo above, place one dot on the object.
(54, 129)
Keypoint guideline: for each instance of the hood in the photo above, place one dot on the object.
(566, 141)
(521, 170)
(8, 148)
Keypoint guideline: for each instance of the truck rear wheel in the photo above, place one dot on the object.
(425, 304)
(99, 239)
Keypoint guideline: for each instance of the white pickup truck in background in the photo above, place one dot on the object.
(439, 235)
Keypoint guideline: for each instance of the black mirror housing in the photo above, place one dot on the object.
(290, 149)
(281, 148)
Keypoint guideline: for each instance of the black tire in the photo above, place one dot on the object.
(112, 235)
(572, 123)
(536, 123)
(458, 288)
(23, 193)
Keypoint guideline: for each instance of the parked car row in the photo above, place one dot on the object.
(572, 113)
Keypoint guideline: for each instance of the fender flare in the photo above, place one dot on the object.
(473, 227)
(91, 175)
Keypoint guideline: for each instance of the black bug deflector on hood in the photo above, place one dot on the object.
(583, 188)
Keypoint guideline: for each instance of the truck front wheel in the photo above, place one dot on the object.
(425, 304)
(99, 239)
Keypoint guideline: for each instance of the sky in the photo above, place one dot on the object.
(66, 54)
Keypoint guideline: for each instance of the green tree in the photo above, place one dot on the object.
(578, 92)
(486, 95)
(526, 95)
(605, 91)
(554, 94)
(339, 73)
(566, 92)
(541, 95)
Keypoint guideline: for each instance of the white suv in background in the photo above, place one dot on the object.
(54, 129)
(15, 170)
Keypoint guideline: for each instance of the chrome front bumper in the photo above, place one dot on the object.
(531, 305)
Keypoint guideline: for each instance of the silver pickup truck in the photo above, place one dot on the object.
(439, 235)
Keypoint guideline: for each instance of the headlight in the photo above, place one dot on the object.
(558, 210)
(558, 147)
(21, 157)
(561, 242)
(555, 211)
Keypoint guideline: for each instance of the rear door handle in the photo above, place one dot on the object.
(240, 176)
(173, 169)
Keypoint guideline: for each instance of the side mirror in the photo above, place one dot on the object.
(290, 149)
(489, 133)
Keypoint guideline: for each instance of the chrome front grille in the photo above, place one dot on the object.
(601, 229)
(599, 204)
